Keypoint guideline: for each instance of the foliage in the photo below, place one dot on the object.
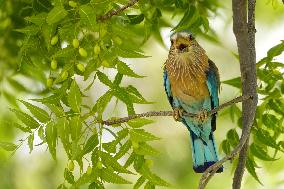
(267, 130)
(61, 42)
(62, 45)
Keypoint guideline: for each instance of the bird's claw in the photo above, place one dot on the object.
(202, 115)
(178, 112)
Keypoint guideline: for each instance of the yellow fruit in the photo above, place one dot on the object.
(99, 165)
(71, 165)
(105, 63)
(64, 75)
(54, 40)
(135, 145)
(83, 52)
(117, 40)
(49, 82)
(89, 170)
(97, 49)
(72, 4)
(75, 43)
(80, 67)
(53, 64)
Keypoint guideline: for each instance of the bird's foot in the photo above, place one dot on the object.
(202, 116)
(178, 114)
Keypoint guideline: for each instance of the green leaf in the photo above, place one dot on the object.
(8, 146)
(111, 177)
(74, 97)
(24, 129)
(139, 182)
(135, 95)
(29, 30)
(260, 153)
(104, 79)
(130, 160)
(64, 130)
(38, 19)
(123, 150)
(39, 113)
(88, 16)
(145, 149)
(236, 82)
(122, 95)
(126, 53)
(26, 119)
(56, 15)
(102, 102)
(264, 137)
(57, 110)
(91, 143)
(110, 146)
(51, 135)
(31, 142)
(76, 126)
(275, 51)
(125, 70)
(153, 177)
(95, 185)
(68, 176)
(136, 19)
(139, 122)
(140, 135)
(250, 165)
(233, 137)
(226, 146)
(108, 160)
(16, 85)
(149, 185)
(64, 53)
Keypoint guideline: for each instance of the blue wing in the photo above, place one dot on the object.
(168, 88)
(213, 83)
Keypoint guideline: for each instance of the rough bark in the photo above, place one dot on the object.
(245, 35)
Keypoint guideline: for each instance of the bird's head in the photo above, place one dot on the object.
(182, 41)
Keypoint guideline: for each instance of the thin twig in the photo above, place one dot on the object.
(113, 12)
(171, 113)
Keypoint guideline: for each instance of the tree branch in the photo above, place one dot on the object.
(171, 113)
(248, 70)
(113, 12)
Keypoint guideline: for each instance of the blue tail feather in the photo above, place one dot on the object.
(203, 153)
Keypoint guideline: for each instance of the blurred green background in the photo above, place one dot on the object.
(37, 170)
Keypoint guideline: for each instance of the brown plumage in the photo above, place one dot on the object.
(186, 70)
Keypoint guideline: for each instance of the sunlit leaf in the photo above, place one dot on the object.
(125, 70)
(56, 14)
(74, 97)
(38, 112)
(26, 119)
(8, 146)
(51, 135)
(140, 135)
(111, 177)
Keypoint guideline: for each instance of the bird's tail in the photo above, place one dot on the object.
(204, 154)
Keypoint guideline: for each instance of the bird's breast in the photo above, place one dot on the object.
(188, 85)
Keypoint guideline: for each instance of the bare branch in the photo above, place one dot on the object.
(248, 70)
(113, 12)
(171, 113)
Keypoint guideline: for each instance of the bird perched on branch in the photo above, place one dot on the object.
(192, 83)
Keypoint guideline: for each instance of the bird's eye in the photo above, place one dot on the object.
(172, 42)
(191, 37)
(182, 46)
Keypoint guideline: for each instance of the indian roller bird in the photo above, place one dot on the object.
(192, 83)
